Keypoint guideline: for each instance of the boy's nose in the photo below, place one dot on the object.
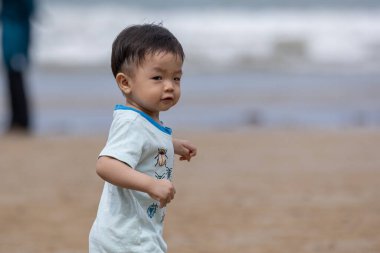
(169, 85)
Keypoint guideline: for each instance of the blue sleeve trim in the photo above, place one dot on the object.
(164, 129)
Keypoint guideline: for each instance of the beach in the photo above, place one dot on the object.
(286, 121)
(248, 190)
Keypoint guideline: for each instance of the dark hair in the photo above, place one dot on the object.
(135, 42)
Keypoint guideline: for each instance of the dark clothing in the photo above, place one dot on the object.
(15, 18)
(18, 101)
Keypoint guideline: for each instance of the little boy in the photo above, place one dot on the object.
(137, 160)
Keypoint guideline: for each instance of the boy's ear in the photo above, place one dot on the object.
(124, 82)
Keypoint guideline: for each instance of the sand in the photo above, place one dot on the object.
(247, 191)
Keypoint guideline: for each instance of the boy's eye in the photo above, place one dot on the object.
(157, 78)
(177, 79)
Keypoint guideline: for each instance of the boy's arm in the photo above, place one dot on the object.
(122, 175)
(184, 148)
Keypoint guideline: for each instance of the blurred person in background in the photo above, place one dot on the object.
(15, 18)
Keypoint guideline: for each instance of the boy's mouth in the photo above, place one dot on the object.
(167, 99)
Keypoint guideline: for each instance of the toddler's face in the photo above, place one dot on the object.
(155, 84)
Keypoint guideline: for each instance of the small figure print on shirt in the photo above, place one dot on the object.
(152, 209)
(161, 157)
(161, 162)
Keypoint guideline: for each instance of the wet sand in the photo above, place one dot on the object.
(248, 191)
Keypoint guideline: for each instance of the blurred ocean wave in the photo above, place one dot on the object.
(240, 36)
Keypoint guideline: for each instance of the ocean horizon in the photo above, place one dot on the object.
(81, 102)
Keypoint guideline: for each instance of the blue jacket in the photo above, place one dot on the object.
(15, 17)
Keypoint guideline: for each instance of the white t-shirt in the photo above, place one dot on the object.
(131, 221)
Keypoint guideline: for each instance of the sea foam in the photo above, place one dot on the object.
(217, 39)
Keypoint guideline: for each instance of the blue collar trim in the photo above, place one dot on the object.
(164, 129)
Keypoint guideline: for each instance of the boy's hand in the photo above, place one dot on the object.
(163, 191)
(184, 149)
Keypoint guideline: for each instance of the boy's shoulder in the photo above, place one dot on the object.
(126, 118)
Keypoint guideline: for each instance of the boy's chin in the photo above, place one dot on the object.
(165, 109)
(166, 106)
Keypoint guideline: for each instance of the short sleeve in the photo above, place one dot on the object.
(125, 141)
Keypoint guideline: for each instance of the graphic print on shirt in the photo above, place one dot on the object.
(152, 209)
(161, 159)
(160, 164)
